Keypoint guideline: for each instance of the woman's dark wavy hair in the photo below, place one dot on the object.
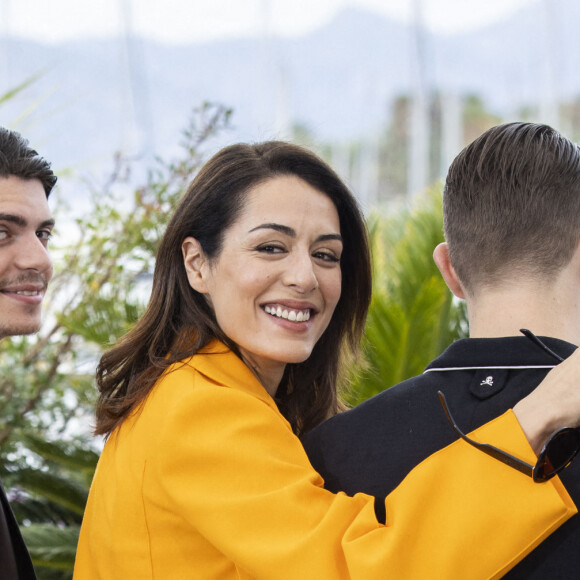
(178, 321)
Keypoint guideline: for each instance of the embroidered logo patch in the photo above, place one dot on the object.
(485, 385)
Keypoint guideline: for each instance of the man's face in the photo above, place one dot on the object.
(25, 265)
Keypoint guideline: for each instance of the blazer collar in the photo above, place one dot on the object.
(219, 364)
(504, 352)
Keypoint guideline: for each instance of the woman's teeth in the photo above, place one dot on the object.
(289, 314)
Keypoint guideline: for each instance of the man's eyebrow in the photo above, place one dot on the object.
(15, 219)
(21, 222)
(290, 232)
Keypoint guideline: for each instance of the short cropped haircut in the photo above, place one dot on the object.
(17, 158)
(511, 205)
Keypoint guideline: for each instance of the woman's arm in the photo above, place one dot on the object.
(231, 467)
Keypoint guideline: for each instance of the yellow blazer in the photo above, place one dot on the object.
(207, 481)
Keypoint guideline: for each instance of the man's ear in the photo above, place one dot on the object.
(441, 258)
(575, 261)
(196, 264)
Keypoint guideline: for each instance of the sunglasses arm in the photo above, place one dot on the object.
(494, 452)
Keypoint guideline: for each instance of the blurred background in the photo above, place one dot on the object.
(127, 98)
(387, 91)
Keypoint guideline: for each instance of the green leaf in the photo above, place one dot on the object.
(52, 547)
(15, 91)
(56, 488)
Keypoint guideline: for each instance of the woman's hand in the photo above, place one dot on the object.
(554, 403)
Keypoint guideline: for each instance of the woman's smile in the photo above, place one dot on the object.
(290, 313)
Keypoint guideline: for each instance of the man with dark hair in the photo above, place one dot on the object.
(512, 223)
(26, 181)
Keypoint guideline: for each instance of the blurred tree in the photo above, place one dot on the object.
(476, 118)
(393, 152)
(570, 118)
(435, 136)
(47, 392)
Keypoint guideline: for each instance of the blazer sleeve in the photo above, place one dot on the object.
(232, 467)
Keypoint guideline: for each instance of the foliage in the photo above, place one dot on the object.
(413, 316)
(47, 392)
(476, 118)
(15, 91)
(54, 547)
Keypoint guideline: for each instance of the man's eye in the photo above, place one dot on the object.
(3, 235)
(44, 235)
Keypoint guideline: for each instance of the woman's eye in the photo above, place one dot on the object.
(327, 257)
(270, 249)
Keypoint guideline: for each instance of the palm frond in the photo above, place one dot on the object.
(52, 549)
(59, 489)
(413, 316)
(79, 459)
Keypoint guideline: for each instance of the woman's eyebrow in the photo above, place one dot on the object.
(278, 227)
(287, 230)
(325, 237)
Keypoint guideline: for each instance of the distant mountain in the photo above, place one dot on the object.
(339, 80)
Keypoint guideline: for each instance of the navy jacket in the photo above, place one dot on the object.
(372, 447)
(18, 556)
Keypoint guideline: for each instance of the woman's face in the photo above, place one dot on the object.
(277, 280)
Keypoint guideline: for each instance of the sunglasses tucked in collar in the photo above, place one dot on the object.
(558, 452)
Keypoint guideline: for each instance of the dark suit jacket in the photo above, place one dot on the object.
(373, 447)
(15, 544)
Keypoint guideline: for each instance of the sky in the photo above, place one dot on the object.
(187, 21)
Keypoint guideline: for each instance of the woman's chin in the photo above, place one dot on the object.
(296, 357)
(291, 355)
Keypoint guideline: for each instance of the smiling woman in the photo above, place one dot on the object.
(260, 293)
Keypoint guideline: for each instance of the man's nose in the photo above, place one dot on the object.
(32, 254)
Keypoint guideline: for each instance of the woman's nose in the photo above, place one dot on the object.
(300, 273)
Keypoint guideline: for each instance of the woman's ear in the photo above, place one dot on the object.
(196, 264)
(441, 259)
